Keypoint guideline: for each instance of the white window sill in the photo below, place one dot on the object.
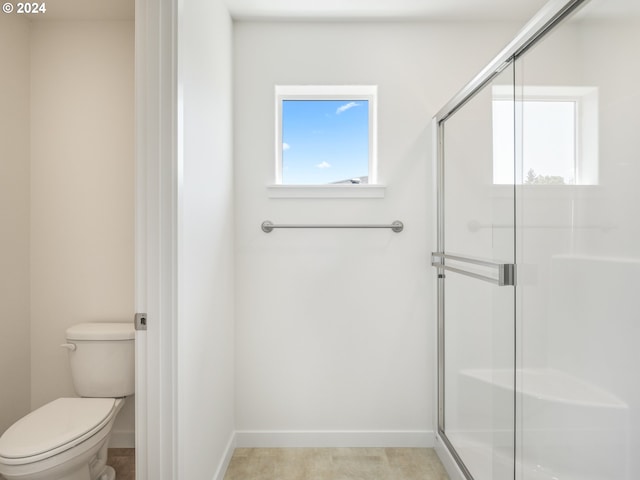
(326, 191)
(544, 191)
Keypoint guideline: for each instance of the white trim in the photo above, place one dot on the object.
(323, 92)
(334, 439)
(328, 92)
(140, 281)
(226, 459)
(141, 427)
(447, 460)
(140, 222)
(326, 191)
(155, 243)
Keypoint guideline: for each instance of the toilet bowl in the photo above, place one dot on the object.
(67, 439)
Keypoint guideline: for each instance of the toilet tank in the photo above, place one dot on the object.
(102, 358)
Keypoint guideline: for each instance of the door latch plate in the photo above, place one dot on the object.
(141, 321)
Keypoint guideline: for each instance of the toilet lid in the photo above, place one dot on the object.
(54, 425)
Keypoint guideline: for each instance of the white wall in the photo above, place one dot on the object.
(335, 329)
(82, 165)
(14, 220)
(205, 242)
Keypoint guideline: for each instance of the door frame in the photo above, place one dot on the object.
(156, 180)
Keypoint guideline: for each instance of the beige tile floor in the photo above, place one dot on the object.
(335, 464)
(123, 461)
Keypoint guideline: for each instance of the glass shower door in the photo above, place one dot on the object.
(539, 165)
(578, 248)
(475, 260)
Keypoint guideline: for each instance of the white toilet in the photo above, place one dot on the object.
(67, 439)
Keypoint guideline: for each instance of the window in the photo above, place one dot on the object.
(559, 135)
(326, 135)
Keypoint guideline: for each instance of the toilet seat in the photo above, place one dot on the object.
(55, 428)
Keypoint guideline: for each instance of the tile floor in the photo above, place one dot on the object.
(313, 464)
(335, 464)
(123, 460)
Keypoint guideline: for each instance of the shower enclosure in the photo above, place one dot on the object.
(538, 254)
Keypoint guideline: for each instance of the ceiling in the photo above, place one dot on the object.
(429, 10)
(440, 10)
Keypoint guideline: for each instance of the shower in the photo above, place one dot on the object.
(538, 254)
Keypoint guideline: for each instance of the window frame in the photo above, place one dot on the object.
(328, 93)
(586, 123)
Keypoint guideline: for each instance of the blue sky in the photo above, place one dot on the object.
(324, 141)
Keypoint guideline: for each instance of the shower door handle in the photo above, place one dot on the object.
(506, 271)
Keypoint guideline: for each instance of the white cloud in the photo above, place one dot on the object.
(324, 165)
(346, 107)
(285, 146)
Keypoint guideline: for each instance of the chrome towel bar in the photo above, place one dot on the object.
(267, 226)
(506, 271)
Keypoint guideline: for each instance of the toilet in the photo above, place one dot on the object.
(67, 439)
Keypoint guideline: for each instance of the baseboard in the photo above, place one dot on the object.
(447, 460)
(122, 440)
(228, 453)
(328, 439)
